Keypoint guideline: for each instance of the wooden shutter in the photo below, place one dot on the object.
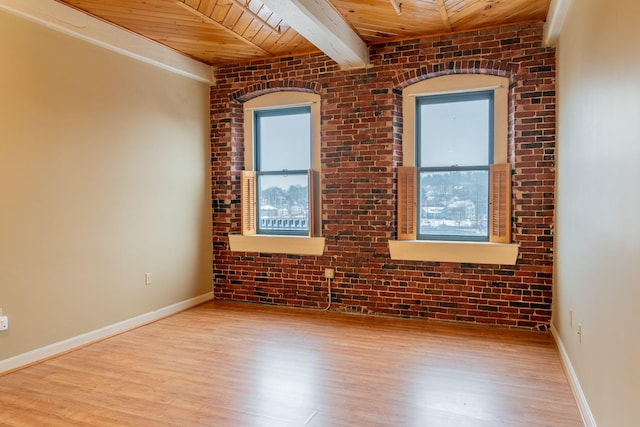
(314, 208)
(407, 209)
(500, 203)
(248, 202)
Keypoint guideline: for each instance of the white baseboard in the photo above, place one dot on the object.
(581, 399)
(54, 349)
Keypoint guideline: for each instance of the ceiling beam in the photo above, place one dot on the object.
(80, 25)
(322, 25)
(444, 15)
(558, 10)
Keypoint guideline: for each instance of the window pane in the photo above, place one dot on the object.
(283, 203)
(454, 130)
(454, 204)
(284, 139)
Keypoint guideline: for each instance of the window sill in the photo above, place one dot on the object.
(294, 245)
(445, 251)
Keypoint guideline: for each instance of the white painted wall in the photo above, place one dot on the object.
(104, 176)
(598, 205)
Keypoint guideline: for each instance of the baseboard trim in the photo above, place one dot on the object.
(51, 350)
(574, 383)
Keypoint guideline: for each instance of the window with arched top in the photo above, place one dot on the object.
(454, 188)
(280, 188)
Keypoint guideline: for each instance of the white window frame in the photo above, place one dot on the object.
(287, 244)
(456, 250)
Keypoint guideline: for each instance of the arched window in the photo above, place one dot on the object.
(455, 182)
(281, 180)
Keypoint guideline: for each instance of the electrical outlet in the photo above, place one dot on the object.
(4, 323)
(329, 273)
(147, 279)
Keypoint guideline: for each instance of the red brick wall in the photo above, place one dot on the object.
(361, 146)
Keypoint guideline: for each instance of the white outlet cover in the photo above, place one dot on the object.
(329, 273)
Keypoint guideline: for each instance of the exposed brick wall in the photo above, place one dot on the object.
(361, 146)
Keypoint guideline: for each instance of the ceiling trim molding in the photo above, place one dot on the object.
(80, 25)
(322, 25)
(558, 10)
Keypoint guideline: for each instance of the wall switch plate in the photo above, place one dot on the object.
(147, 278)
(571, 317)
(4, 323)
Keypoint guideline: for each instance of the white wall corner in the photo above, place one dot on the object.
(212, 76)
(574, 383)
(558, 10)
(77, 24)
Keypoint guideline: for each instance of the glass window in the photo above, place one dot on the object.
(283, 159)
(454, 147)
(283, 139)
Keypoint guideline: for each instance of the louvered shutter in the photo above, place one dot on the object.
(500, 203)
(407, 209)
(248, 202)
(314, 209)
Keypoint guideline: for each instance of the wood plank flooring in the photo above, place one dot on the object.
(234, 364)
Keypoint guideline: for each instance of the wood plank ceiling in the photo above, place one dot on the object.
(216, 32)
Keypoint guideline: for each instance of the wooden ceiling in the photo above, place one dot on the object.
(216, 32)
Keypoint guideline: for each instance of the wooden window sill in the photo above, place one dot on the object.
(447, 251)
(294, 245)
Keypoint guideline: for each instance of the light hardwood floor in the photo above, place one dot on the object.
(234, 364)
